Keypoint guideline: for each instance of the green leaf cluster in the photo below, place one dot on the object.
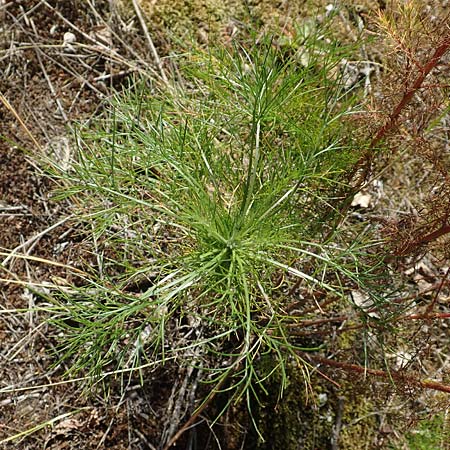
(200, 196)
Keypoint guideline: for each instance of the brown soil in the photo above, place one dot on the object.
(48, 87)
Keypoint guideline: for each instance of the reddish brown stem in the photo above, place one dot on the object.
(409, 94)
(320, 305)
(431, 306)
(391, 123)
(395, 375)
(190, 422)
(445, 229)
(426, 316)
(326, 332)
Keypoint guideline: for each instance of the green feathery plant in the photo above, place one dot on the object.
(201, 196)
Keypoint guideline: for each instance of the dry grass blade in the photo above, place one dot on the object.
(48, 423)
(10, 108)
(152, 47)
(105, 375)
(13, 253)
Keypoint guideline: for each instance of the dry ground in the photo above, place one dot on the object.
(48, 86)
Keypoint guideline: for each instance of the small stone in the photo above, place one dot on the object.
(69, 38)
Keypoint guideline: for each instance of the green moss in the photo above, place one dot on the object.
(431, 433)
(307, 419)
(359, 427)
(212, 19)
(185, 18)
(296, 420)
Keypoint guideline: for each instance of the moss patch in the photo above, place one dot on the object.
(202, 20)
(311, 420)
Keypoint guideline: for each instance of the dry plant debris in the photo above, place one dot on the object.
(58, 64)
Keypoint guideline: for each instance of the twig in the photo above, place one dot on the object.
(7, 105)
(409, 94)
(108, 76)
(174, 408)
(194, 416)
(395, 375)
(33, 239)
(338, 425)
(426, 316)
(150, 41)
(308, 323)
(208, 400)
(442, 231)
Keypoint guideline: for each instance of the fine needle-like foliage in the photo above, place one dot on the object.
(207, 201)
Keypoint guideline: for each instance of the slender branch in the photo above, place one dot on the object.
(193, 418)
(321, 332)
(395, 375)
(426, 316)
(308, 323)
(442, 231)
(437, 287)
(155, 55)
(338, 425)
(409, 94)
(392, 122)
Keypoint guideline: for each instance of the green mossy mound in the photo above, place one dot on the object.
(311, 420)
(204, 20)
